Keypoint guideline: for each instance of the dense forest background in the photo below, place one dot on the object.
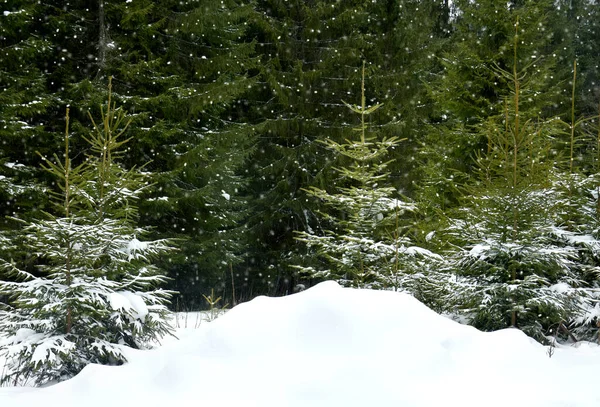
(472, 181)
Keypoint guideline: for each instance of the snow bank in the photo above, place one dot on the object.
(329, 346)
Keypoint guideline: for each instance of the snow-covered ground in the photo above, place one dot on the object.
(329, 346)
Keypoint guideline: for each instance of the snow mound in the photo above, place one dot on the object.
(332, 346)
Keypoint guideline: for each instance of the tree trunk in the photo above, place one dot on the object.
(101, 37)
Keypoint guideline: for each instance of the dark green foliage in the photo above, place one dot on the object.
(311, 56)
(469, 91)
(586, 45)
(181, 70)
(25, 102)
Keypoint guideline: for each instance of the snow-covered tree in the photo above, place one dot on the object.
(365, 243)
(515, 261)
(576, 195)
(93, 289)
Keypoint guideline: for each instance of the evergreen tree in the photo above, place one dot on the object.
(182, 69)
(467, 92)
(367, 245)
(310, 54)
(95, 290)
(25, 102)
(511, 269)
(586, 18)
(577, 209)
(197, 135)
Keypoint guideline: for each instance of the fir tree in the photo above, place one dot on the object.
(577, 211)
(310, 58)
(366, 245)
(25, 102)
(95, 290)
(186, 74)
(511, 270)
(182, 70)
(466, 91)
(585, 17)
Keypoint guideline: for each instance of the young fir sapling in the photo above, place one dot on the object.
(94, 289)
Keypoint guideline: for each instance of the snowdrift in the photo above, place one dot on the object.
(331, 346)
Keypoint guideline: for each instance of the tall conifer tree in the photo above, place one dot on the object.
(466, 92)
(310, 53)
(181, 69)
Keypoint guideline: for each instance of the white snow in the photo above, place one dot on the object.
(14, 165)
(127, 300)
(479, 249)
(225, 195)
(22, 334)
(50, 349)
(415, 250)
(136, 248)
(160, 198)
(330, 346)
(574, 238)
(7, 13)
(561, 288)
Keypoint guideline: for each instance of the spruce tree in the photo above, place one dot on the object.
(577, 211)
(511, 269)
(311, 54)
(95, 287)
(466, 91)
(183, 70)
(186, 70)
(25, 103)
(585, 17)
(366, 245)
